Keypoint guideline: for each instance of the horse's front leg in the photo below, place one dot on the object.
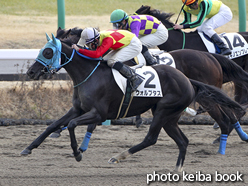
(84, 145)
(72, 113)
(89, 117)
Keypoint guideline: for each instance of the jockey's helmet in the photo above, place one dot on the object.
(188, 2)
(117, 16)
(88, 35)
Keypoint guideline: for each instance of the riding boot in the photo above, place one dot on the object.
(128, 73)
(223, 47)
(150, 60)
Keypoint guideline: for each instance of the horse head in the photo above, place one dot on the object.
(48, 60)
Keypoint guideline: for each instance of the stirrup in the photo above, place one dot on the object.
(136, 82)
(226, 51)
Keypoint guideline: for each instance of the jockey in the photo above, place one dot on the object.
(147, 28)
(123, 45)
(217, 13)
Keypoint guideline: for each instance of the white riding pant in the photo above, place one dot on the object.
(124, 54)
(157, 38)
(222, 17)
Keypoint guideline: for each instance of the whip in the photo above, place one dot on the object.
(181, 11)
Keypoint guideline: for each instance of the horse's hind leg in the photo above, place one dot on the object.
(150, 139)
(234, 124)
(240, 132)
(224, 117)
(138, 121)
(171, 127)
(182, 142)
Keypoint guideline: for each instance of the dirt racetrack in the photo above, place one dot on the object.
(51, 164)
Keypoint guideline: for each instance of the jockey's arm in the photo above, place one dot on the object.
(187, 18)
(102, 49)
(200, 17)
(135, 27)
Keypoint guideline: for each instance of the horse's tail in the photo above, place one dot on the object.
(208, 95)
(232, 71)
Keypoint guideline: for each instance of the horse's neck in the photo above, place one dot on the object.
(168, 24)
(180, 40)
(79, 68)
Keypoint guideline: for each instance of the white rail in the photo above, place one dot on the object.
(28, 54)
(17, 61)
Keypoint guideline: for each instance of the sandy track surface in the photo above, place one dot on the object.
(51, 163)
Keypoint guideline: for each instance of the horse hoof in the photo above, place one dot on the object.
(55, 135)
(113, 160)
(216, 141)
(216, 126)
(79, 157)
(26, 152)
(138, 123)
(178, 169)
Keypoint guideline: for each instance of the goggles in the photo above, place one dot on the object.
(193, 4)
(117, 25)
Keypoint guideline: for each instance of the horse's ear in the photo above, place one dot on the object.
(54, 39)
(67, 32)
(48, 38)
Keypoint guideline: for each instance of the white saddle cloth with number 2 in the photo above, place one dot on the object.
(150, 87)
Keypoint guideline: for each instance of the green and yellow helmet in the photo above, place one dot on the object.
(117, 16)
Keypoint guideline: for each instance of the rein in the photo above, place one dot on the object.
(83, 57)
(88, 76)
(69, 60)
(183, 36)
(92, 70)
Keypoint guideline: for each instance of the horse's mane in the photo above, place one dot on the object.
(76, 31)
(162, 16)
(70, 36)
(66, 36)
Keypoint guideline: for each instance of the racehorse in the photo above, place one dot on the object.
(212, 69)
(97, 97)
(179, 40)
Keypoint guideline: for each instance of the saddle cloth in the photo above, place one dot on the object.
(237, 44)
(163, 57)
(150, 87)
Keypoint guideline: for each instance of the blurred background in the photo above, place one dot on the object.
(23, 23)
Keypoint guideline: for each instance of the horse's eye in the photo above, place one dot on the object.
(48, 53)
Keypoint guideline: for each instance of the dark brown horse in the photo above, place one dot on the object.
(97, 97)
(212, 69)
(179, 40)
